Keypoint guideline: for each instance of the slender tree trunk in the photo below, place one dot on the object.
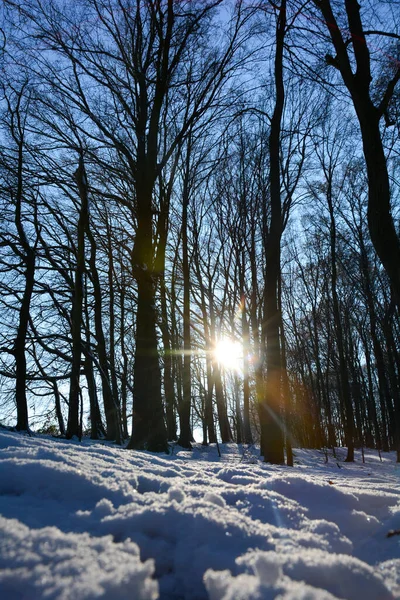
(343, 380)
(224, 426)
(371, 406)
(124, 374)
(96, 426)
(254, 321)
(383, 386)
(208, 408)
(165, 325)
(77, 307)
(167, 371)
(287, 396)
(24, 311)
(247, 436)
(115, 416)
(185, 435)
(110, 402)
(59, 414)
(19, 344)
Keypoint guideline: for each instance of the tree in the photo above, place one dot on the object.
(329, 155)
(16, 98)
(138, 58)
(371, 103)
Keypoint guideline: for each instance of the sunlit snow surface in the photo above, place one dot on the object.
(90, 520)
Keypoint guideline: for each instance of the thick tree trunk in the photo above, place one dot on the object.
(149, 431)
(272, 440)
(380, 221)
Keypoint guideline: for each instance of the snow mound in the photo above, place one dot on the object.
(91, 520)
(47, 563)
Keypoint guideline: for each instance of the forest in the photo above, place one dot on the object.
(199, 227)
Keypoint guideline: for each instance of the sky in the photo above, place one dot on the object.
(92, 520)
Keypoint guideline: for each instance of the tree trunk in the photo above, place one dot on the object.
(24, 311)
(270, 411)
(247, 437)
(114, 419)
(383, 386)
(168, 381)
(19, 344)
(149, 431)
(59, 414)
(185, 435)
(344, 384)
(393, 376)
(208, 405)
(77, 307)
(124, 374)
(110, 401)
(224, 426)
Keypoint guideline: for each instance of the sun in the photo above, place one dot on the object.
(229, 354)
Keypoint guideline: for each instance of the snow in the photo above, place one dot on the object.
(91, 520)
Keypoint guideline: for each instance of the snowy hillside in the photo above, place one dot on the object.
(86, 520)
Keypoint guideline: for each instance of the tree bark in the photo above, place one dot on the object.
(73, 428)
(270, 411)
(185, 435)
(111, 410)
(28, 258)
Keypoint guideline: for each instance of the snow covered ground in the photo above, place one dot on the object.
(90, 520)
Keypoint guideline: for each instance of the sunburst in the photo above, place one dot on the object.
(229, 354)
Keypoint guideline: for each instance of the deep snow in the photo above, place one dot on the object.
(90, 520)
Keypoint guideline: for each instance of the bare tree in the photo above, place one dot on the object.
(371, 101)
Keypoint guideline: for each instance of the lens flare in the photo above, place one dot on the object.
(229, 354)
